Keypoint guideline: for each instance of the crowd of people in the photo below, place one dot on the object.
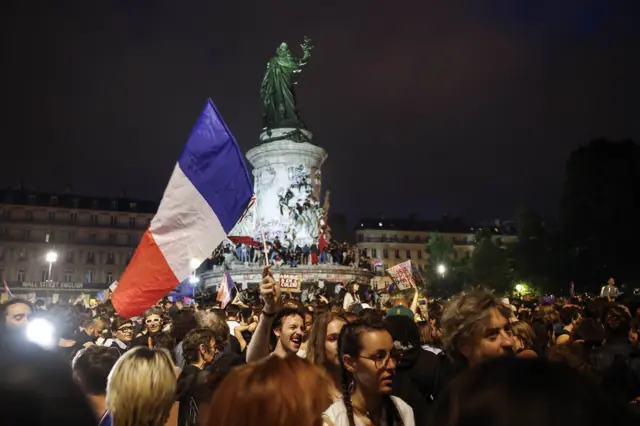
(251, 252)
(474, 359)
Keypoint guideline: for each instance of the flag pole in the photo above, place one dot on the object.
(264, 241)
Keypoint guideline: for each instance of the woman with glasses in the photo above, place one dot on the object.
(368, 362)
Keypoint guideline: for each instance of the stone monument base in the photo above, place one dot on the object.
(250, 276)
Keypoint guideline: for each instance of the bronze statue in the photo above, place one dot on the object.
(278, 91)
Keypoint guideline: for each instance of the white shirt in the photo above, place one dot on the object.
(431, 349)
(349, 301)
(337, 414)
(232, 326)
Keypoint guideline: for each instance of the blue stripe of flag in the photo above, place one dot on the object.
(213, 163)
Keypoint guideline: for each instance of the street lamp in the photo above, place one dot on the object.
(519, 288)
(194, 279)
(442, 269)
(51, 257)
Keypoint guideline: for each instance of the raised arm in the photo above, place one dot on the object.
(270, 293)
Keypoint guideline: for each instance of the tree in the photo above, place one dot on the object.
(440, 249)
(489, 263)
(457, 271)
(531, 256)
(599, 213)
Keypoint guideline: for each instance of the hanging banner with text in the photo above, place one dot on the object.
(289, 282)
(406, 275)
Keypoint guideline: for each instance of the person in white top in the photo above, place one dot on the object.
(351, 298)
(368, 361)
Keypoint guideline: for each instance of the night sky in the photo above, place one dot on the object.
(423, 107)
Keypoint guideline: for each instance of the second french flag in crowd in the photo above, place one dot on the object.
(207, 194)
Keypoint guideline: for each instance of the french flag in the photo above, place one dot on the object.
(207, 194)
(225, 292)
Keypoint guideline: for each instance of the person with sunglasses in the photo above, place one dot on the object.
(368, 362)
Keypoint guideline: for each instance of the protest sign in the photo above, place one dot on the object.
(406, 275)
(289, 282)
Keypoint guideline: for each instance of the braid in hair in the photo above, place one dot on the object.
(346, 376)
(349, 344)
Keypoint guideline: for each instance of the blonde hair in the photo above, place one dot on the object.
(141, 388)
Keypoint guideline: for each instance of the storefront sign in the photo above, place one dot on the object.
(56, 285)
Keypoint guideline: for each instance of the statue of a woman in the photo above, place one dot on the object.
(278, 91)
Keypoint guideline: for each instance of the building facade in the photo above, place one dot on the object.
(66, 244)
(389, 242)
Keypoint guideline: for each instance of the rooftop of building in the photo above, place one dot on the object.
(66, 199)
(445, 225)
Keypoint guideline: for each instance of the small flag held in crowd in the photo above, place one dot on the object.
(226, 291)
(207, 194)
(571, 289)
(7, 291)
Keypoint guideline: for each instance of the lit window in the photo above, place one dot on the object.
(68, 276)
(21, 275)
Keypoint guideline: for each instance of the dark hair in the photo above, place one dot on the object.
(279, 319)
(32, 378)
(166, 341)
(193, 340)
(106, 309)
(232, 310)
(91, 321)
(221, 333)
(617, 321)
(569, 314)
(525, 392)
(350, 343)
(371, 315)
(66, 320)
(5, 306)
(119, 322)
(91, 366)
(183, 322)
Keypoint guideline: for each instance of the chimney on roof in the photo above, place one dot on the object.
(67, 189)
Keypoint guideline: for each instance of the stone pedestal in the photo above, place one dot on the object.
(287, 182)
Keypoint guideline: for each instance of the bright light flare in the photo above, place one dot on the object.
(519, 288)
(51, 256)
(41, 332)
(442, 269)
(194, 279)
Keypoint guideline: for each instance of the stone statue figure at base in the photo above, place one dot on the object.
(278, 88)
